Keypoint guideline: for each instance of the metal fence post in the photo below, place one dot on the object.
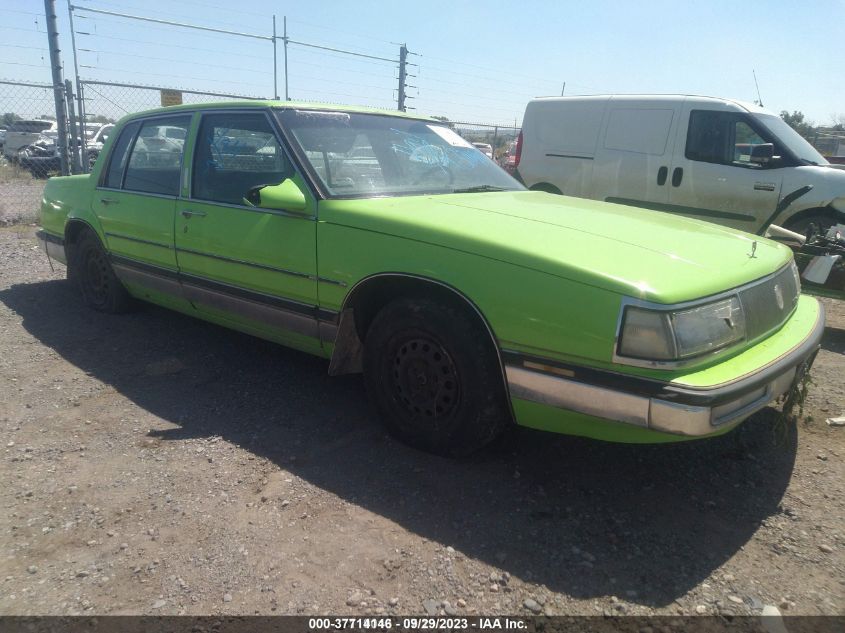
(76, 143)
(275, 63)
(58, 84)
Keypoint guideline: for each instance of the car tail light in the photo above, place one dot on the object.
(518, 149)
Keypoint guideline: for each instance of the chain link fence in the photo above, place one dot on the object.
(28, 154)
(497, 141)
(105, 102)
(28, 117)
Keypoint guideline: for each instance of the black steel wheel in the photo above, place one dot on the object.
(433, 374)
(100, 288)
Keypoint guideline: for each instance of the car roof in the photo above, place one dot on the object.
(263, 104)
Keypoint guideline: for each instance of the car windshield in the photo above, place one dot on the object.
(356, 155)
(793, 141)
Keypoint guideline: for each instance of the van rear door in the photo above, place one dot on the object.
(635, 152)
(714, 176)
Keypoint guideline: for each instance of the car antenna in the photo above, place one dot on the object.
(756, 85)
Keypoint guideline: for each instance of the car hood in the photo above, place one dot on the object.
(646, 254)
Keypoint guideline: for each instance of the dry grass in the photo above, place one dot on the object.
(20, 195)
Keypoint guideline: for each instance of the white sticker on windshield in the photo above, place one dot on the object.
(450, 136)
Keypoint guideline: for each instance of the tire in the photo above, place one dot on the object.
(100, 288)
(434, 377)
(817, 223)
(548, 188)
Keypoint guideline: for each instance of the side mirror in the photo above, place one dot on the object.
(762, 154)
(286, 196)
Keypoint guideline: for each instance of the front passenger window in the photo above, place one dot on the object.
(726, 138)
(234, 153)
(156, 159)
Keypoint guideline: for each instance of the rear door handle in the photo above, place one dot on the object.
(186, 213)
(677, 176)
(109, 200)
(661, 175)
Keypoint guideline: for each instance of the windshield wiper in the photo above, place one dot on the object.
(478, 189)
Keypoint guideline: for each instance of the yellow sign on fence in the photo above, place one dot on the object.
(171, 97)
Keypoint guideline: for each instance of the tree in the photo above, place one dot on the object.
(796, 122)
(9, 118)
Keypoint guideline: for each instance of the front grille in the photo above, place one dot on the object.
(763, 311)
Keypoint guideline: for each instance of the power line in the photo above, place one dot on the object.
(143, 72)
(192, 48)
(169, 15)
(173, 61)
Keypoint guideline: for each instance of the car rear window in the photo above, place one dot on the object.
(30, 126)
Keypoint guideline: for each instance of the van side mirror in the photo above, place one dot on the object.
(762, 154)
(286, 196)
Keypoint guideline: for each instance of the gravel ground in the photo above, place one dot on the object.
(156, 464)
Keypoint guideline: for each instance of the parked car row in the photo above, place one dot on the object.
(32, 144)
(389, 245)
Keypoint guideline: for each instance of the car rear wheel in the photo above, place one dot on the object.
(100, 288)
(434, 377)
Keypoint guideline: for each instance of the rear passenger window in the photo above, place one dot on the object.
(234, 153)
(156, 159)
(119, 155)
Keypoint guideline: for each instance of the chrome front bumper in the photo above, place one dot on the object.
(54, 246)
(659, 406)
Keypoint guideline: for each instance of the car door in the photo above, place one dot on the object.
(254, 268)
(136, 201)
(713, 176)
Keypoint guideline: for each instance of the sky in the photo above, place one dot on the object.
(475, 61)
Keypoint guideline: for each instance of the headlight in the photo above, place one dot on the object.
(796, 275)
(680, 334)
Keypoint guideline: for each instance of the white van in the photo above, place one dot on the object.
(714, 159)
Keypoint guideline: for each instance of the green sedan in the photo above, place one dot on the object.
(389, 245)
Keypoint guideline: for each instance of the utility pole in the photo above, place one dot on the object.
(58, 84)
(275, 63)
(563, 89)
(403, 61)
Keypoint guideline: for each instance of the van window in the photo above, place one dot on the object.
(726, 138)
(641, 130)
(156, 159)
(571, 128)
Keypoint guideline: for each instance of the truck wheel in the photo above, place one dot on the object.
(434, 377)
(100, 288)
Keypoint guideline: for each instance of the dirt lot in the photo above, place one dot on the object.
(153, 463)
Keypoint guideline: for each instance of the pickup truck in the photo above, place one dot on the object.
(468, 302)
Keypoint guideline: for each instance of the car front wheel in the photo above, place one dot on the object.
(434, 377)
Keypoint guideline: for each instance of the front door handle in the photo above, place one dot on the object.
(677, 176)
(109, 201)
(186, 213)
(661, 175)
